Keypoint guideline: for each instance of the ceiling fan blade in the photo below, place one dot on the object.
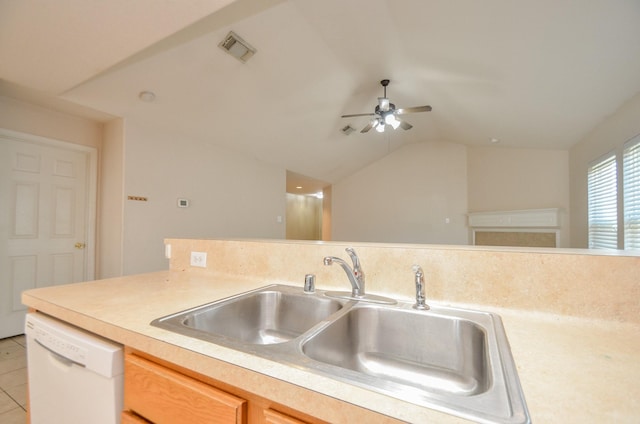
(413, 110)
(368, 127)
(405, 125)
(358, 114)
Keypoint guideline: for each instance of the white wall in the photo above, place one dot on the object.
(406, 197)
(609, 136)
(231, 195)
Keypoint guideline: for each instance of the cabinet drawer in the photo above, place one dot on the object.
(274, 417)
(162, 395)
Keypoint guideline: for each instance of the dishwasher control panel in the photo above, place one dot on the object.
(61, 346)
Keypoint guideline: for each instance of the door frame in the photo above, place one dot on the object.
(92, 188)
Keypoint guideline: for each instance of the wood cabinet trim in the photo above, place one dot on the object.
(160, 394)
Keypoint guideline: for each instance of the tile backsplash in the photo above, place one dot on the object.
(559, 281)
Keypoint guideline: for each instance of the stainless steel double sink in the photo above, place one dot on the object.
(453, 360)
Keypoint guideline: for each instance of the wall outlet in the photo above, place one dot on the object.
(199, 259)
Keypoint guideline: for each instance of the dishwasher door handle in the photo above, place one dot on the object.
(59, 357)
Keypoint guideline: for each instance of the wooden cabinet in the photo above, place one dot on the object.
(162, 395)
(161, 392)
(274, 417)
(128, 417)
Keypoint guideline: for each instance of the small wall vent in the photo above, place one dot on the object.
(237, 47)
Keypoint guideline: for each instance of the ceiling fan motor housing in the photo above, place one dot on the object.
(392, 108)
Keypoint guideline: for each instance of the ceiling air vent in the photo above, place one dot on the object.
(237, 47)
(348, 130)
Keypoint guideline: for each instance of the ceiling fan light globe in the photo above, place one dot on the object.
(390, 119)
(380, 127)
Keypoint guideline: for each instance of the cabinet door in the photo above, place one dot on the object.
(274, 417)
(129, 418)
(164, 396)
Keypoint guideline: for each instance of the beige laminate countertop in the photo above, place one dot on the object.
(571, 370)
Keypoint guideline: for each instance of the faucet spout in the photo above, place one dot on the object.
(355, 274)
(420, 289)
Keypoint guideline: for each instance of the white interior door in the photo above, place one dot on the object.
(44, 212)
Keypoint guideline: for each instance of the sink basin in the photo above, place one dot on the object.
(453, 360)
(275, 314)
(433, 353)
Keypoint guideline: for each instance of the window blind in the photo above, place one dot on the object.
(602, 189)
(631, 193)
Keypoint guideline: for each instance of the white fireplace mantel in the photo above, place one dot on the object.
(528, 218)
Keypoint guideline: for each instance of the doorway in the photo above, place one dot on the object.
(47, 218)
(308, 208)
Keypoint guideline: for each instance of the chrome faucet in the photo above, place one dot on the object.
(420, 296)
(355, 275)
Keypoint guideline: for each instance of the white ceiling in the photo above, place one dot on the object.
(531, 73)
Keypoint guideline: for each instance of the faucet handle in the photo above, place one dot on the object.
(354, 257)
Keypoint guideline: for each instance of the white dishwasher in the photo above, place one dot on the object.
(75, 377)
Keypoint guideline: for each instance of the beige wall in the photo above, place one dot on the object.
(28, 118)
(111, 201)
(408, 196)
(327, 205)
(231, 195)
(304, 217)
(609, 136)
(401, 198)
(416, 194)
(503, 179)
(512, 179)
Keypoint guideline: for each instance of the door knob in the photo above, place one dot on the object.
(79, 245)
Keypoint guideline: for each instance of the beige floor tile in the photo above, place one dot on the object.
(13, 364)
(21, 340)
(14, 416)
(7, 342)
(13, 379)
(18, 394)
(11, 350)
(6, 404)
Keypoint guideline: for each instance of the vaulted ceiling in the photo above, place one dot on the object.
(532, 73)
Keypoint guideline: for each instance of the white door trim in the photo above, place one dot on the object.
(92, 185)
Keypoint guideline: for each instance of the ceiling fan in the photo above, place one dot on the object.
(386, 113)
